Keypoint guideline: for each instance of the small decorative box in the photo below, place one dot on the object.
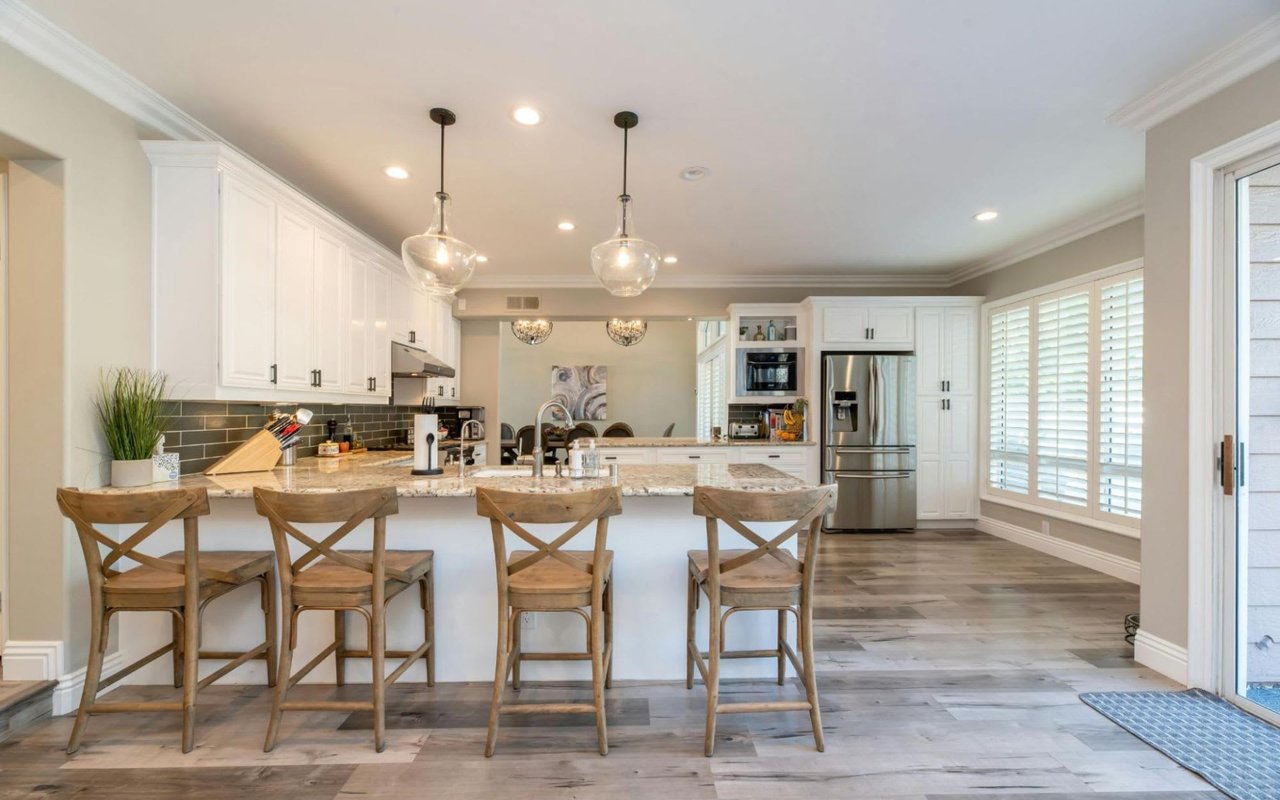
(165, 467)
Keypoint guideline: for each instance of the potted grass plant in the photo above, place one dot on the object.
(131, 410)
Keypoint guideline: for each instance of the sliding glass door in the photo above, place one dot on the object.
(1249, 457)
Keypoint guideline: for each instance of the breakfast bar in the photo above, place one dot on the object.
(650, 540)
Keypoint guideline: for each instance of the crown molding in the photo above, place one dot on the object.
(1246, 55)
(717, 281)
(1121, 211)
(45, 43)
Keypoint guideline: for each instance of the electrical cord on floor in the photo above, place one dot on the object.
(1130, 627)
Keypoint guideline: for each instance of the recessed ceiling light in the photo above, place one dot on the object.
(482, 259)
(566, 226)
(669, 259)
(986, 216)
(526, 115)
(399, 173)
(694, 173)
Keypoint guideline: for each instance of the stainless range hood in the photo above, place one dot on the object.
(411, 362)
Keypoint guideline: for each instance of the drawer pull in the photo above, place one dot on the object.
(774, 455)
(695, 456)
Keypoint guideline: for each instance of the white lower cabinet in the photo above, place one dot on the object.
(800, 461)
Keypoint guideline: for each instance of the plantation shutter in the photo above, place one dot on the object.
(712, 408)
(1062, 399)
(1010, 393)
(1120, 397)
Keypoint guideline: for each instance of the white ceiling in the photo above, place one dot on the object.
(842, 137)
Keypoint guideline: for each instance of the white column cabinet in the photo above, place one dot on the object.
(356, 372)
(378, 289)
(331, 324)
(248, 330)
(946, 351)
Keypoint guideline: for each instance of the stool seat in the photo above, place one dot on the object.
(148, 587)
(763, 581)
(554, 584)
(333, 580)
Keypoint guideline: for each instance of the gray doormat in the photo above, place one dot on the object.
(1237, 753)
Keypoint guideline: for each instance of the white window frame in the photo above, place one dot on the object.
(1090, 515)
(707, 351)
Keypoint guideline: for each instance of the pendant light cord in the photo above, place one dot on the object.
(625, 131)
(442, 204)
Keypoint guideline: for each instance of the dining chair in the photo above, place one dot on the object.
(619, 430)
(588, 427)
(524, 440)
(670, 430)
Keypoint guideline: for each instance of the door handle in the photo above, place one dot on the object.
(319, 377)
(1228, 458)
(413, 337)
(873, 333)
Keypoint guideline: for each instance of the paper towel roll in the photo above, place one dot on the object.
(426, 444)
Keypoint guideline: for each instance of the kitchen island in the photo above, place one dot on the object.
(649, 539)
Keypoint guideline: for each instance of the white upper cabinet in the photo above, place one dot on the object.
(331, 322)
(295, 312)
(855, 321)
(263, 295)
(248, 286)
(960, 350)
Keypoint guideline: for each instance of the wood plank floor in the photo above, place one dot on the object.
(949, 665)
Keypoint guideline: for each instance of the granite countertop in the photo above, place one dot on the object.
(369, 470)
(675, 441)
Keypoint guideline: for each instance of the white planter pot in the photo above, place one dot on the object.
(131, 473)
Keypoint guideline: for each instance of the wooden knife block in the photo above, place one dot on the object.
(260, 453)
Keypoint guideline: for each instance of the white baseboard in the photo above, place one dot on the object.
(946, 524)
(1126, 569)
(42, 661)
(1163, 656)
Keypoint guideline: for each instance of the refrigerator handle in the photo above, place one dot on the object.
(873, 400)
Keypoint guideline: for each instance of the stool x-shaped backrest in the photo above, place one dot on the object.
(506, 510)
(283, 509)
(803, 508)
(151, 510)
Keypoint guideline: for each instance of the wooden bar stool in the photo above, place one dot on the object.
(325, 579)
(181, 583)
(550, 578)
(766, 578)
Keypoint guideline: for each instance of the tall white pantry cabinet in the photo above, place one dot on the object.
(262, 295)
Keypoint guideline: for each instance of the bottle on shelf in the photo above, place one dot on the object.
(772, 334)
(759, 337)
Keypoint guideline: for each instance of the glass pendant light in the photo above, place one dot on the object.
(625, 264)
(435, 260)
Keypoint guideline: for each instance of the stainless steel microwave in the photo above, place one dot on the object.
(770, 371)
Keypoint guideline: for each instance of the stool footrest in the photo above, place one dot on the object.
(326, 705)
(548, 708)
(118, 708)
(554, 656)
(751, 708)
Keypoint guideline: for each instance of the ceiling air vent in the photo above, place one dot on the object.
(523, 303)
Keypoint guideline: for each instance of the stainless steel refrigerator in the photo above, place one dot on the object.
(869, 440)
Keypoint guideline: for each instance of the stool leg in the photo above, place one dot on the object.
(713, 677)
(597, 676)
(810, 680)
(269, 617)
(190, 669)
(782, 654)
(429, 621)
(177, 652)
(514, 649)
(499, 676)
(608, 634)
(379, 614)
(691, 627)
(284, 671)
(93, 672)
(340, 639)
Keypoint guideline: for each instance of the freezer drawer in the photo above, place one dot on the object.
(872, 501)
(864, 459)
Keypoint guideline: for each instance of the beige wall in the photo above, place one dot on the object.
(479, 376)
(1233, 112)
(650, 384)
(101, 319)
(1110, 246)
(1107, 247)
